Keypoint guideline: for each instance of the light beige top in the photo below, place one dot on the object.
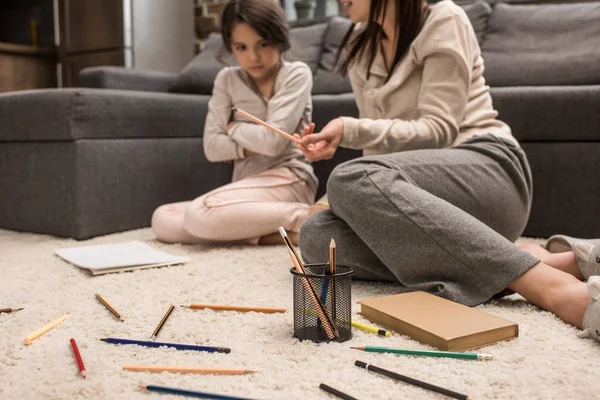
(289, 109)
(436, 96)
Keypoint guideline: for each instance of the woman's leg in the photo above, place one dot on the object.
(441, 221)
(565, 261)
(251, 208)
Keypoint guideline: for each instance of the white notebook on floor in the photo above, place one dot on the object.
(117, 257)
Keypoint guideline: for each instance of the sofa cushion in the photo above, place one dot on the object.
(307, 42)
(543, 44)
(478, 12)
(198, 76)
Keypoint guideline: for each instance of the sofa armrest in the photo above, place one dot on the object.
(550, 113)
(126, 79)
(81, 113)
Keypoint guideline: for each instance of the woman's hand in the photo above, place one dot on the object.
(321, 145)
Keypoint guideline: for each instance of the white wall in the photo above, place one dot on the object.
(162, 34)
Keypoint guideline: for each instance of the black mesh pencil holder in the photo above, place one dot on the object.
(316, 291)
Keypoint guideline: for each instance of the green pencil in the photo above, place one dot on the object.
(429, 353)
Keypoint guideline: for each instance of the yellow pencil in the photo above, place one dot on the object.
(372, 329)
(188, 370)
(162, 322)
(218, 307)
(30, 338)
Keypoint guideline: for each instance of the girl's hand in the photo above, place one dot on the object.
(230, 125)
(322, 145)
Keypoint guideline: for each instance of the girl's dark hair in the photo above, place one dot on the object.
(410, 15)
(264, 16)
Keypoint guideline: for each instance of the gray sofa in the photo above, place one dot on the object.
(83, 162)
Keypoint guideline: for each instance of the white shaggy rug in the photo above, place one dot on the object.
(547, 361)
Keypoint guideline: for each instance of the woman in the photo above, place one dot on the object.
(439, 210)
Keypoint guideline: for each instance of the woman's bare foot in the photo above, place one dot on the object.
(275, 239)
(563, 261)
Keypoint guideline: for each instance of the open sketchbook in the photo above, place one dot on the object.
(118, 257)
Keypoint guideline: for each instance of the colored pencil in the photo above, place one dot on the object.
(9, 310)
(427, 353)
(188, 370)
(215, 307)
(190, 393)
(328, 325)
(31, 337)
(412, 381)
(372, 329)
(332, 272)
(263, 123)
(336, 392)
(78, 358)
(162, 322)
(110, 308)
(177, 346)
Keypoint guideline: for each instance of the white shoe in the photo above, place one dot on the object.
(591, 317)
(587, 252)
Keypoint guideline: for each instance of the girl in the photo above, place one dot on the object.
(441, 211)
(273, 184)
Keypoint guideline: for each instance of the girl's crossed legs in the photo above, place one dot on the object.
(247, 211)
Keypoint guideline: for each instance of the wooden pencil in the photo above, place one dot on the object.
(219, 307)
(188, 370)
(78, 358)
(265, 124)
(31, 337)
(411, 381)
(162, 322)
(10, 310)
(110, 308)
(332, 280)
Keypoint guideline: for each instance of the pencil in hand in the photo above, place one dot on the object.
(263, 123)
(78, 358)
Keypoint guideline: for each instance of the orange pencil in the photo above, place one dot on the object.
(78, 358)
(217, 307)
(263, 123)
(188, 370)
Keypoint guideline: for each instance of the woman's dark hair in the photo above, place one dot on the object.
(410, 15)
(264, 16)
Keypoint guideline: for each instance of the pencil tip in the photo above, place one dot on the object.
(332, 243)
(104, 339)
(121, 319)
(282, 231)
(19, 309)
(234, 109)
(142, 386)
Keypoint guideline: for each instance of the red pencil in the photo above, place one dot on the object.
(78, 358)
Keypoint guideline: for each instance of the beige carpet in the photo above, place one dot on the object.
(547, 361)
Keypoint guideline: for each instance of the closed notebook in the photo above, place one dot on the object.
(438, 322)
(117, 257)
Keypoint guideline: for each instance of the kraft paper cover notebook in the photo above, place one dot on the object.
(438, 322)
(118, 257)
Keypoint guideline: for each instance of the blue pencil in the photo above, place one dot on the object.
(174, 345)
(202, 395)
